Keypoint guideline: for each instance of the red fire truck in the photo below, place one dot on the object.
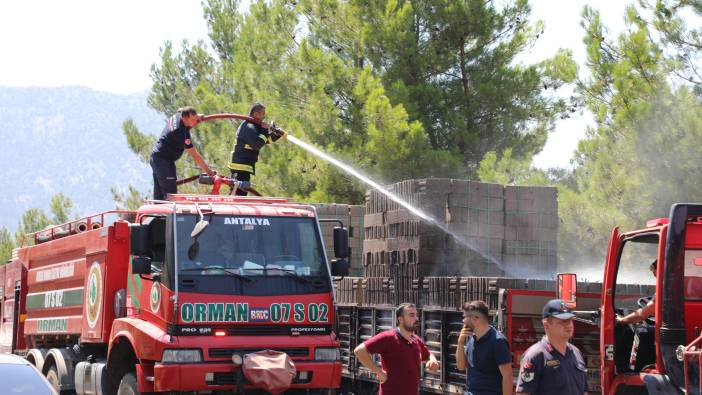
(175, 296)
(661, 355)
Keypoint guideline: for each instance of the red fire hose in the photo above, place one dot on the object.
(211, 117)
(216, 181)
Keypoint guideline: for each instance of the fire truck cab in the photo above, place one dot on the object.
(660, 355)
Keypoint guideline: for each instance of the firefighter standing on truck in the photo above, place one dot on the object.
(169, 147)
(250, 138)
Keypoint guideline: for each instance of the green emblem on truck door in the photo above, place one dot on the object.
(155, 297)
(94, 295)
(93, 291)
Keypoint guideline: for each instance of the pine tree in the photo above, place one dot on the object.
(6, 245)
(33, 220)
(640, 156)
(60, 207)
(396, 88)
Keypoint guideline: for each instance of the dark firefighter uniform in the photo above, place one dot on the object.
(545, 371)
(250, 138)
(169, 147)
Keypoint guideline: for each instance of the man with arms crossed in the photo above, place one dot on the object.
(401, 354)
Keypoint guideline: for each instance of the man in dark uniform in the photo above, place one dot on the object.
(553, 366)
(250, 138)
(169, 147)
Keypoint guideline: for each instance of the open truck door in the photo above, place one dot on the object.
(607, 317)
(664, 356)
(629, 348)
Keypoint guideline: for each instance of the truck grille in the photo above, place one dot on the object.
(297, 352)
(230, 379)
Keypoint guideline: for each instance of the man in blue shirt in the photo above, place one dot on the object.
(485, 352)
(169, 147)
(553, 366)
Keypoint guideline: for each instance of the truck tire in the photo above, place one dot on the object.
(37, 356)
(128, 385)
(53, 378)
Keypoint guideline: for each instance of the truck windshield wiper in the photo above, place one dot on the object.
(294, 274)
(205, 269)
(288, 272)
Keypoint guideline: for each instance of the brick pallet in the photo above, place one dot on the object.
(531, 227)
(511, 230)
(348, 290)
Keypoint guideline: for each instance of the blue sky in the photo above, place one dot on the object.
(111, 45)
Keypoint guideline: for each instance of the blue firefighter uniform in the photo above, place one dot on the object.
(169, 147)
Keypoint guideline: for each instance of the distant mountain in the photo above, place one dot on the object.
(68, 140)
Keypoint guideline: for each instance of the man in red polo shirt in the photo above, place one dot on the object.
(401, 354)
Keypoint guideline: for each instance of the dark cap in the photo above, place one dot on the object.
(557, 308)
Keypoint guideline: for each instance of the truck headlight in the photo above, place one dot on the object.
(181, 356)
(327, 354)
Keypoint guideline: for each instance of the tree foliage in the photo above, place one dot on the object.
(6, 245)
(36, 219)
(399, 89)
(131, 199)
(418, 88)
(680, 37)
(640, 156)
(60, 207)
(33, 219)
(508, 170)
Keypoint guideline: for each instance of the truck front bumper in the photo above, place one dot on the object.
(222, 376)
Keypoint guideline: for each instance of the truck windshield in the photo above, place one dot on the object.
(251, 246)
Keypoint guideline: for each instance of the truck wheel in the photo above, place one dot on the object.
(53, 378)
(128, 385)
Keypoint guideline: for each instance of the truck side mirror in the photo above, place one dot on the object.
(341, 242)
(200, 227)
(139, 239)
(340, 267)
(567, 288)
(141, 265)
